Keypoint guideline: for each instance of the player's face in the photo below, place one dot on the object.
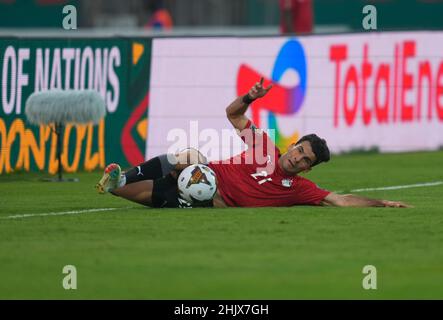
(299, 158)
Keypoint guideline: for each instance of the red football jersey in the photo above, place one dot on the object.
(302, 14)
(254, 178)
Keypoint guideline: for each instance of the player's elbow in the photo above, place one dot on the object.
(233, 118)
(230, 114)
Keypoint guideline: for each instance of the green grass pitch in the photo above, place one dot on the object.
(268, 253)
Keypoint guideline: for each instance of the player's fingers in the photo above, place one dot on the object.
(399, 205)
(269, 87)
(261, 80)
(404, 205)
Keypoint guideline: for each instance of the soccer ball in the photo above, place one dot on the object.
(197, 183)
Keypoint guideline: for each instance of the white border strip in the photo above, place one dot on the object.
(30, 215)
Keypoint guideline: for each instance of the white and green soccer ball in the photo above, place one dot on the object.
(197, 184)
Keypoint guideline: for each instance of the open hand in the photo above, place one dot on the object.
(395, 204)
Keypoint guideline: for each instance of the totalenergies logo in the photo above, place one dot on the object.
(404, 86)
(281, 100)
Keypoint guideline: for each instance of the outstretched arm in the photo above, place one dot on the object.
(237, 109)
(350, 200)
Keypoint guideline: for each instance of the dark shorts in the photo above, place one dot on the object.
(165, 194)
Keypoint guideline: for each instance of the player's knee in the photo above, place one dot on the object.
(188, 157)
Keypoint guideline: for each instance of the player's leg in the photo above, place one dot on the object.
(152, 169)
(140, 192)
(159, 193)
(162, 165)
(138, 183)
(113, 178)
(188, 157)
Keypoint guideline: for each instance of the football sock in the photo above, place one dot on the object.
(152, 169)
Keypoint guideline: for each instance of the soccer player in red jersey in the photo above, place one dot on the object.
(258, 177)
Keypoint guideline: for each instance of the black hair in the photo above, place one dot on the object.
(319, 147)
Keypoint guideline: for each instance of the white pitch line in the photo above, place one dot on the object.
(19, 216)
(417, 185)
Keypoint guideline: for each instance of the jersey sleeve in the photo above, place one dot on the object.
(307, 192)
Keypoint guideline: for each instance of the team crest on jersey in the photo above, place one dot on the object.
(286, 183)
(197, 176)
